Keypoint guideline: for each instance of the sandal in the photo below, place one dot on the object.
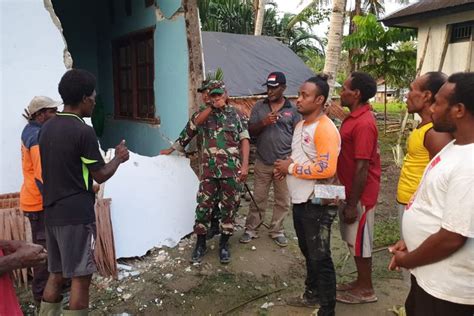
(351, 298)
(345, 286)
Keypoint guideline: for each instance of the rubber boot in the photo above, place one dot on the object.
(80, 312)
(224, 253)
(200, 249)
(50, 309)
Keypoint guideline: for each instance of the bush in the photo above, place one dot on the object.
(392, 107)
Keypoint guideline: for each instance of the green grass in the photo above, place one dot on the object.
(386, 232)
(392, 107)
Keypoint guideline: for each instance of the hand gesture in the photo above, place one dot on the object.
(30, 255)
(399, 250)
(243, 173)
(121, 152)
(281, 168)
(349, 214)
(270, 119)
(26, 115)
(166, 151)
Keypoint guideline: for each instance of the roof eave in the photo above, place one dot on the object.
(405, 21)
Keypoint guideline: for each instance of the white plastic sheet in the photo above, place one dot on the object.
(153, 203)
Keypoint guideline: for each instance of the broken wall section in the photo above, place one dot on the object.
(31, 63)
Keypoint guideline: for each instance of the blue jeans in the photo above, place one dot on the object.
(313, 227)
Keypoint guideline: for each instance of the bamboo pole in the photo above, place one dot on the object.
(423, 55)
(445, 47)
(469, 54)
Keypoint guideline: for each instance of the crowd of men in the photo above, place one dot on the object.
(298, 147)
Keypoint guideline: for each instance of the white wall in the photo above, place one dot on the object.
(31, 63)
(456, 57)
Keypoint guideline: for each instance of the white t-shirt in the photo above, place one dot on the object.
(314, 150)
(445, 199)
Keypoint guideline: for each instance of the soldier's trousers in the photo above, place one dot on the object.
(224, 192)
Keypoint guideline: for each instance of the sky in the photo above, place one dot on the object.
(293, 6)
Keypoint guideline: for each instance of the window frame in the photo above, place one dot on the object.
(453, 26)
(132, 40)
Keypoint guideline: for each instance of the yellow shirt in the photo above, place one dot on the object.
(414, 164)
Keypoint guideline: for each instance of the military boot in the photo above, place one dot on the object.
(200, 249)
(224, 252)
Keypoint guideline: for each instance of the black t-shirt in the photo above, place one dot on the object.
(69, 151)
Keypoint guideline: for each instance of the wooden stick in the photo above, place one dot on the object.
(469, 54)
(445, 47)
(422, 59)
(253, 299)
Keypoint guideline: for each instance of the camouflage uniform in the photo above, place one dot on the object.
(221, 135)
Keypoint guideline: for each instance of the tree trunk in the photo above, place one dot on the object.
(259, 17)
(352, 29)
(333, 50)
(385, 108)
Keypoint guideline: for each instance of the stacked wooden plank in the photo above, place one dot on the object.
(14, 226)
(104, 244)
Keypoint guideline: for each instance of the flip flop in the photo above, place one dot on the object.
(345, 286)
(350, 298)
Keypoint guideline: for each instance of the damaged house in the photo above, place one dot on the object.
(141, 52)
(146, 55)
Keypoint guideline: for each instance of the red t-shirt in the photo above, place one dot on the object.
(359, 142)
(8, 301)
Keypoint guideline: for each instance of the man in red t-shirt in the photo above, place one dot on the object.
(358, 169)
(15, 254)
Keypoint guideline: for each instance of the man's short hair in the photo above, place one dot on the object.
(75, 84)
(321, 81)
(463, 90)
(433, 82)
(365, 84)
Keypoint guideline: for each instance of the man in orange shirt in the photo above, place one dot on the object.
(39, 110)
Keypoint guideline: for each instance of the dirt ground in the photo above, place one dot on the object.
(259, 278)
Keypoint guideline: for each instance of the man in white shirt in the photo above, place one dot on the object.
(438, 224)
(314, 153)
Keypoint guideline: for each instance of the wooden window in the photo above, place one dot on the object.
(461, 32)
(134, 74)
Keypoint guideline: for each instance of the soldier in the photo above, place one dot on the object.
(224, 164)
(205, 102)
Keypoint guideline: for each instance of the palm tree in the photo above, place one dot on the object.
(237, 16)
(333, 50)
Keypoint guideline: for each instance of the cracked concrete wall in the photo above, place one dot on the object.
(171, 75)
(31, 63)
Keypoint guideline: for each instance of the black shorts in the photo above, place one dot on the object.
(71, 249)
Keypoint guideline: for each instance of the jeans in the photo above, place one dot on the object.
(313, 227)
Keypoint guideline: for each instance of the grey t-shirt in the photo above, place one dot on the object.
(274, 142)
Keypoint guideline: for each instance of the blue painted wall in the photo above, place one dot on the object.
(171, 78)
(94, 52)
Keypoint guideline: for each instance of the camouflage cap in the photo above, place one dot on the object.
(204, 86)
(216, 87)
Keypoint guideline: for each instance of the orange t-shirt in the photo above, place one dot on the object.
(31, 199)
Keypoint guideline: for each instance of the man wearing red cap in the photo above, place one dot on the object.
(272, 123)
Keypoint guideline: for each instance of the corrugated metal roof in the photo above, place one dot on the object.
(246, 61)
(427, 8)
